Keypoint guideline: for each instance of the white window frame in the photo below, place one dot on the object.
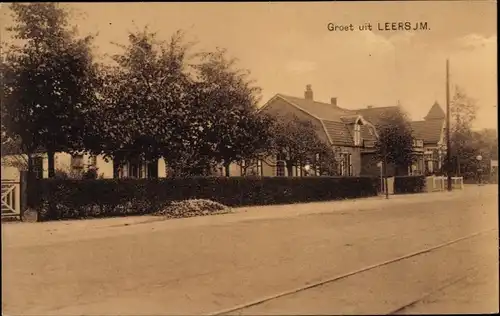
(357, 134)
(280, 164)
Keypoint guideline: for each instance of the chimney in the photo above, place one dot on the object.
(333, 101)
(308, 94)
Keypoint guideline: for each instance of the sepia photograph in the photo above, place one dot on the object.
(249, 158)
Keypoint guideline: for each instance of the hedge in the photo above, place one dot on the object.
(65, 199)
(409, 184)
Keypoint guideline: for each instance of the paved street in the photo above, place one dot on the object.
(221, 264)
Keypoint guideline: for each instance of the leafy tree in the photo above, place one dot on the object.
(144, 101)
(47, 81)
(395, 140)
(256, 140)
(298, 143)
(483, 142)
(462, 114)
(326, 162)
(154, 105)
(486, 140)
(233, 130)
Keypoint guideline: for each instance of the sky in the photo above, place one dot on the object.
(288, 45)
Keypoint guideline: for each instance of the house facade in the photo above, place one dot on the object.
(431, 132)
(348, 132)
(428, 141)
(352, 134)
(77, 165)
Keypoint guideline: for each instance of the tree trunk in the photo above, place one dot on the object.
(153, 169)
(226, 168)
(386, 182)
(289, 168)
(30, 183)
(116, 168)
(51, 163)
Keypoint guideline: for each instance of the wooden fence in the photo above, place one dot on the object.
(14, 196)
(434, 183)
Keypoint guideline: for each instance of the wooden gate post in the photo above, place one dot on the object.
(23, 190)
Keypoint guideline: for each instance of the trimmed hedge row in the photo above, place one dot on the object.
(409, 184)
(65, 199)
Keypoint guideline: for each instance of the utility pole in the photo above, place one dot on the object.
(385, 173)
(448, 140)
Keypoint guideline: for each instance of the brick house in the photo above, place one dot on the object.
(431, 131)
(428, 134)
(353, 134)
(346, 130)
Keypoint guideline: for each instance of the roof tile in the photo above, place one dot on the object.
(435, 113)
(428, 131)
(323, 111)
(375, 114)
(338, 133)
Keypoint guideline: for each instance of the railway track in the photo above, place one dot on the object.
(232, 310)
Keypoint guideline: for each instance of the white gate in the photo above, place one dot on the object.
(11, 198)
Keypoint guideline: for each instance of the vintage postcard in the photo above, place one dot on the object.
(249, 158)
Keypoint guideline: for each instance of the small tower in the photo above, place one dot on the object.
(435, 113)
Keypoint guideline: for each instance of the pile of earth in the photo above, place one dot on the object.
(191, 208)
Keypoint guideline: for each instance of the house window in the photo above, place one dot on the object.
(133, 169)
(418, 143)
(38, 167)
(93, 161)
(317, 170)
(280, 168)
(137, 169)
(348, 165)
(260, 168)
(345, 165)
(151, 169)
(357, 134)
(77, 163)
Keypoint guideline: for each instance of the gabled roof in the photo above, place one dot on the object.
(350, 119)
(338, 123)
(435, 113)
(375, 114)
(338, 133)
(428, 131)
(323, 111)
(367, 133)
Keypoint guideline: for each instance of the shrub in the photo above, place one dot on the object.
(61, 174)
(68, 198)
(409, 184)
(91, 173)
(67, 174)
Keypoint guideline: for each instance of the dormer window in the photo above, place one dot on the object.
(357, 134)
